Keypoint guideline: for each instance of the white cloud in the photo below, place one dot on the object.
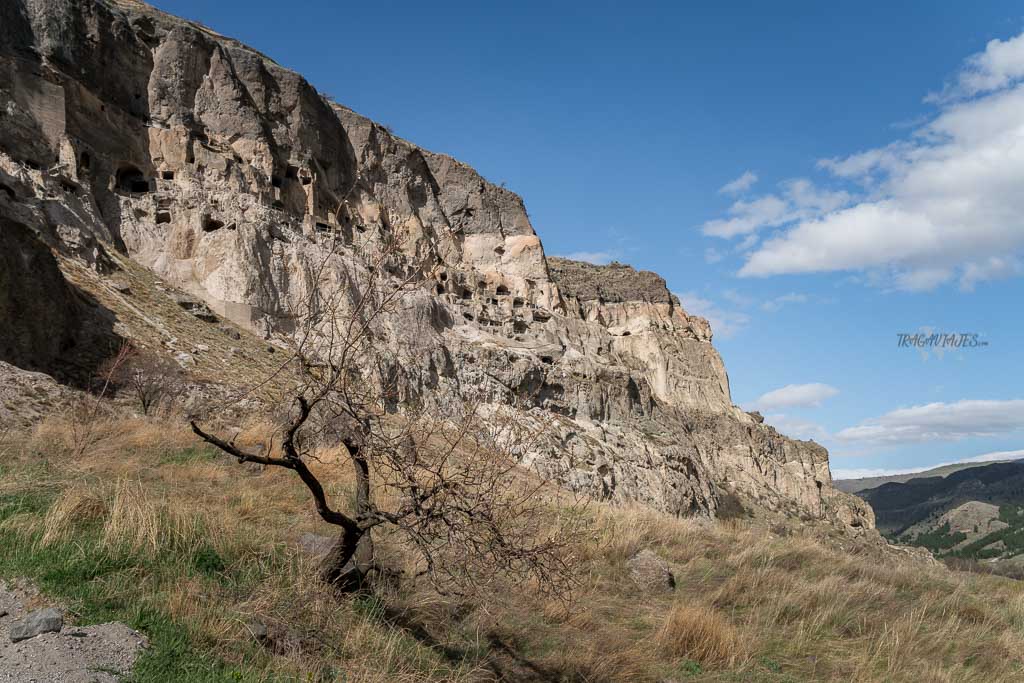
(940, 422)
(776, 304)
(734, 297)
(943, 205)
(797, 428)
(861, 472)
(712, 255)
(993, 268)
(999, 66)
(748, 216)
(741, 184)
(599, 258)
(724, 323)
(748, 242)
(799, 199)
(795, 395)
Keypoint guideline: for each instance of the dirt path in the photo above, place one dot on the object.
(76, 654)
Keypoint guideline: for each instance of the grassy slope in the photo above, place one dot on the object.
(149, 528)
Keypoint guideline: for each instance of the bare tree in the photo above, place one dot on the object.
(84, 411)
(439, 477)
(150, 378)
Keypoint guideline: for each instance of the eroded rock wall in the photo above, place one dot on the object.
(233, 179)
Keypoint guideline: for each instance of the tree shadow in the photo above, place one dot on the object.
(503, 659)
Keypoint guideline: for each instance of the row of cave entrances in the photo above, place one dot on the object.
(131, 180)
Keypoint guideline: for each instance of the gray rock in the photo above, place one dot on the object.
(48, 620)
(258, 630)
(613, 283)
(316, 545)
(649, 571)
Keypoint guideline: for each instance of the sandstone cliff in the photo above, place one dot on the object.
(122, 128)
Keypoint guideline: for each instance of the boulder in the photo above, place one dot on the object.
(196, 308)
(315, 545)
(48, 620)
(649, 571)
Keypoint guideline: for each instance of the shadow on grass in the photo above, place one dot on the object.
(502, 658)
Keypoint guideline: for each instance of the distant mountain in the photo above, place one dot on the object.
(976, 512)
(864, 483)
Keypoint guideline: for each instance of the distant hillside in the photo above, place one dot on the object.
(864, 483)
(973, 512)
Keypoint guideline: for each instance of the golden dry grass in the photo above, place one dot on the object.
(750, 605)
(700, 633)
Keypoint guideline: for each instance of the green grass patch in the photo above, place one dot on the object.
(189, 455)
(100, 584)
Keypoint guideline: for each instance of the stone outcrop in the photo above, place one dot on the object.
(235, 181)
(47, 324)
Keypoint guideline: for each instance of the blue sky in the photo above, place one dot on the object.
(887, 143)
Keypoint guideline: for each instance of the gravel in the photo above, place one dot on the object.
(76, 654)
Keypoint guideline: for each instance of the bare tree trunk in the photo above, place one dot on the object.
(351, 557)
(346, 565)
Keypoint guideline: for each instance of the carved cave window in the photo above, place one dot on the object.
(132, 180)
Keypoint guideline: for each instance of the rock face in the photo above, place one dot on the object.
(234, 180)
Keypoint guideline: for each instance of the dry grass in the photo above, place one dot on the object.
(749, 605)
(700, 633)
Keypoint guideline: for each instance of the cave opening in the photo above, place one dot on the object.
(132, 180)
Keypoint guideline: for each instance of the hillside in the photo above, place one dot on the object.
(972, 513)
(146, 520)
(862, 483)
